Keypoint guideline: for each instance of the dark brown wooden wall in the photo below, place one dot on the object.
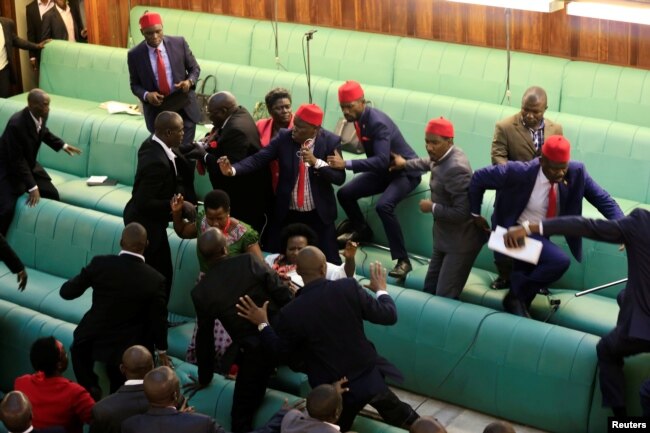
(554, 34)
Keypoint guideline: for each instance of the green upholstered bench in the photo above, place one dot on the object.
(606, 92)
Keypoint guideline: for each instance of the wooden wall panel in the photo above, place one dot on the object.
(554, 34)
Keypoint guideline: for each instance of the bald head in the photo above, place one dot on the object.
(499, 427)
(165, 121)
(534, 95)
(212, 245)
(311, 264)
(134, 238)
(136, 362)
(38, 103)
(220, 106)
(162, 387)
(36, 96)
(324, 403)
(16, 411)
(427, 424)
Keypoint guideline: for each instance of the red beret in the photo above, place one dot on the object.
(441, 127)
(350, 91)
(310, 113)
(149, 19)
(557, 149)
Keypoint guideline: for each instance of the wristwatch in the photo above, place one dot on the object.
(261, 326)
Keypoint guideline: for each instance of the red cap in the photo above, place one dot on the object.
(310, 113)
(557, 149)
(350, 91)
(149, 19)
(441, 127)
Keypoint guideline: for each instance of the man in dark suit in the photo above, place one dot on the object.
(519, 138)
(129, 399)
(11, 259)
(8, 74)
(129, 307)
(16, 415)
(34, 12)
(63, 22)
(304, 194)
(456, 240)
(235, 136)
(162, 172)
(167, 413)
(380, 137)
(19, 145)
(324, 407)
(172, 90)
(323, 327)
(546, 187)
(632, 332)
(215, 297)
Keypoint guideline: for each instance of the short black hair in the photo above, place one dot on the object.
(275, 94)
(217, 199)
(297, 229)
(45, 355)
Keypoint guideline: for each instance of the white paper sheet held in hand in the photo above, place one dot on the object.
(528, 253)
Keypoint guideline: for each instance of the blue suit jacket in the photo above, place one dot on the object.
(633, 231)
(142, 78)
(380, 136)
(284, 149)
(515, 181)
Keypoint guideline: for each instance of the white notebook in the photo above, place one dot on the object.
(528, 253)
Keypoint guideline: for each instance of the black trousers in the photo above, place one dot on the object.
(8, 198)
(5, 81)
(255, 367)
(83, 365)
(611, 350)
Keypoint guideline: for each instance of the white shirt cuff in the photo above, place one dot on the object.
(234, 172)
(320, 164)
(476, 215)
(381, 293)
(541, 229)
(34, 188)
(433, 208)
(65, 146)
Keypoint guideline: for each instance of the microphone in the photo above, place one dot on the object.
(310, 33)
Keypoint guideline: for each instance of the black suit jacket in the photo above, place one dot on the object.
(110, 412)
(34, 24)
(143, 79)
(53, 27)
(284, 149)
(323, 326)
(238, 139)
(216, 296)
(155, 184)
(169, 420)
(129, 306)
(13, 41)
(634, 231)
(9, 256)
(19, 147)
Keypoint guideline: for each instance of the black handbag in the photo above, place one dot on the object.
(202, 97)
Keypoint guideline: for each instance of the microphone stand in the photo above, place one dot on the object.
(308, 37)
(597, 288)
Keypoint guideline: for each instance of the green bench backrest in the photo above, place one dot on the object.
(474, 73)
(606, 92)
(91, 72)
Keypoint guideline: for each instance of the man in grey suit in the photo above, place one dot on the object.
(520, 138)
(129, 400)
(167, 412)
(456, 241)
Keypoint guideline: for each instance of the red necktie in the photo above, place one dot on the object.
(163, 85)
(551, 211)
(301, 183)
(356, 128)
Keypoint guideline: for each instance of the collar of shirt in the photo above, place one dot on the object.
(332, 425)
(26, 431)
(38, 122)
(62, 11)
(442, 158)
(134, 382)
(161, 47)
(140, 256)
(166, 148)
(44, 7)
(224, 122)
(540, 127)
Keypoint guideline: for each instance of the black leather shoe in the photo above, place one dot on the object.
(500, 283)
(363, 235)
(400, 270)
(514, 306)
(344, 226)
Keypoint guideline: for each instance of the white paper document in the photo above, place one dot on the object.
(114, 107)
(96, 180)
(528, 253)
